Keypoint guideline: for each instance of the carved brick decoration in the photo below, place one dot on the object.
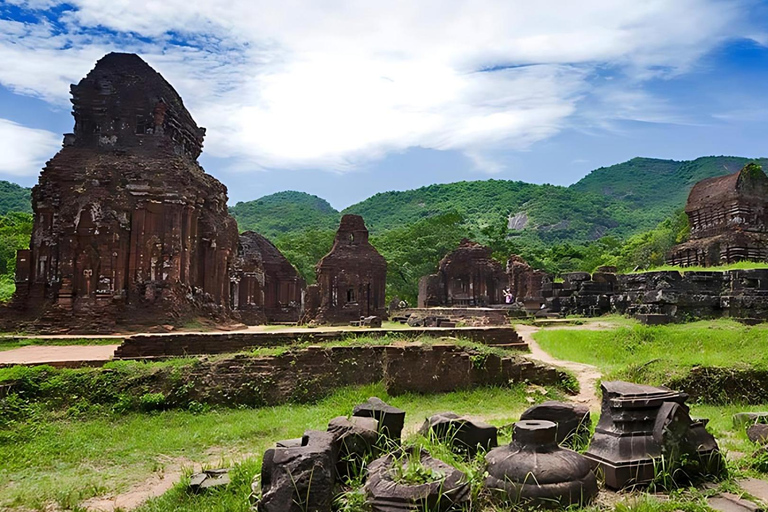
(468, 276)
(728, 216)
(351, 279)
(128, 228)
(265, 286)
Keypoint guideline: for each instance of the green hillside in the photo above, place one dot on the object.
(551, 212)
(654, 183)
(619, 200)
(14, 198)
(549, 209)
(285, 212)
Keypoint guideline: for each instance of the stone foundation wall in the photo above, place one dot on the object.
(741, 294)
(309, 374)
(164, 345)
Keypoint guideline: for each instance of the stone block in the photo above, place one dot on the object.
(460, 433)
(571, 419)
(391, 419)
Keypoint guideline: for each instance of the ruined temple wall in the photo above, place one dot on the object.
(431, 291)
(125, 238)
(310, 374)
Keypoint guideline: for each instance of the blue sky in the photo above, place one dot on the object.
(344, 99)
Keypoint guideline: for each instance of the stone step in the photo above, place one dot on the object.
(756, 487)
(727, 502)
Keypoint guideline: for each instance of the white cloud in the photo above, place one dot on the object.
(25, 150)
(334, 83)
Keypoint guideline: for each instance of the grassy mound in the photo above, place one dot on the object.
(663, 354)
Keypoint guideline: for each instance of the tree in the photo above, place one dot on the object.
(415, 251)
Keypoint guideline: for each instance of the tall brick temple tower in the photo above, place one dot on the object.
(128, 228)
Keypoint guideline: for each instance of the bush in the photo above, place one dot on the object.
(152, 402)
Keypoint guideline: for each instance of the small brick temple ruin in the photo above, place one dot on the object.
(728, 216)
(265, 286)
(129, 229)
(351, 279)
(468, 276)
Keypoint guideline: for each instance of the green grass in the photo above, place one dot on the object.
(740, 265)
(70, 460)
(10, 342)
(372, 341)
(655, 354)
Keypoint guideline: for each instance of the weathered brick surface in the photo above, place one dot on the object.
(149, 345)
(128, 228)
(312, 373)
(728, 216)
(468, 276)
(351, 279)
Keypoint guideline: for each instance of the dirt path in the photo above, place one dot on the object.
(162, 481)
(37, 354)
(154, 486)
(586, 374)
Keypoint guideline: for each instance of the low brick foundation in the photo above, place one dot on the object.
(311, 373)
(179, 344)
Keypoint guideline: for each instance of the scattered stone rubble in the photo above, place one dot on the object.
(209, 479)
(462, 434)
(572, 420)
(639, 426)
(298, 478)
(449, 491)
(391, 419)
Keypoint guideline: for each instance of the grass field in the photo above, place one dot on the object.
(687, 499)
(61, 454)
(740, 265)
(61, 460)
(9, 343)
(661, 351)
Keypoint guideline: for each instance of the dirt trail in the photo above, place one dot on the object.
(161, 482)
(586, 374)
(37, 354)
(154, 486)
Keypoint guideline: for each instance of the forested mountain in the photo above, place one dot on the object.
(285, 212)
(654, 183)
(555, 213)
(14, 198)
(619, 201)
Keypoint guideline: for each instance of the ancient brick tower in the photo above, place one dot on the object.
(468, 276)
(265, 286)
(728, 216)
(351, 279)
(128, 228)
